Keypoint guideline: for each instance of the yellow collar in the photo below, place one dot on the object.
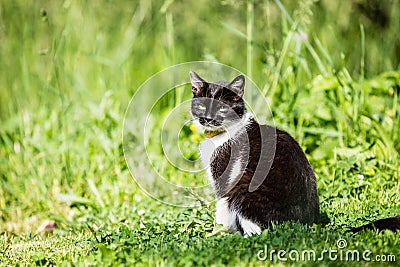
(211, 134)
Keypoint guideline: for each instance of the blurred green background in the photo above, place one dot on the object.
(329, 69)
(53, 50)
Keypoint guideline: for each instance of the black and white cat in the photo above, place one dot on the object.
(259, 173)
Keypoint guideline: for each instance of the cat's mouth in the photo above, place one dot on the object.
(210, 124)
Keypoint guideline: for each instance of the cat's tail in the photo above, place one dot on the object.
(392, 224)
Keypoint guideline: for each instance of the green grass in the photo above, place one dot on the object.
(68, 71)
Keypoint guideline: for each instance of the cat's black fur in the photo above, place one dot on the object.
(288, 191)
(285, 185)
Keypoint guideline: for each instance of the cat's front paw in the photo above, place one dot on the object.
(249, 228)
(223, 215)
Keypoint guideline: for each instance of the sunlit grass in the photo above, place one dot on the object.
(68, 71)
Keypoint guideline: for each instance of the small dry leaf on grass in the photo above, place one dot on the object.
(46, 226)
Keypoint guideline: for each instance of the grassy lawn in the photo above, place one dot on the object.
(68, 70)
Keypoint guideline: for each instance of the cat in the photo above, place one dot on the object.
(259, 173)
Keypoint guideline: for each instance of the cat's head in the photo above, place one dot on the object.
(217, 105)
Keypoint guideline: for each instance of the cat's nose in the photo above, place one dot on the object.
(207, 121)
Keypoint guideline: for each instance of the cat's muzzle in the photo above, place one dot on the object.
(208, 122)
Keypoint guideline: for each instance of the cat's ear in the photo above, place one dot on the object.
(197, 83)
(237, 86)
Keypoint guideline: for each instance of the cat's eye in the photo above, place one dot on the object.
(223, 108)
(201, 107)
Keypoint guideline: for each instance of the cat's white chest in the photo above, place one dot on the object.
(207, 149)
(210, 145)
